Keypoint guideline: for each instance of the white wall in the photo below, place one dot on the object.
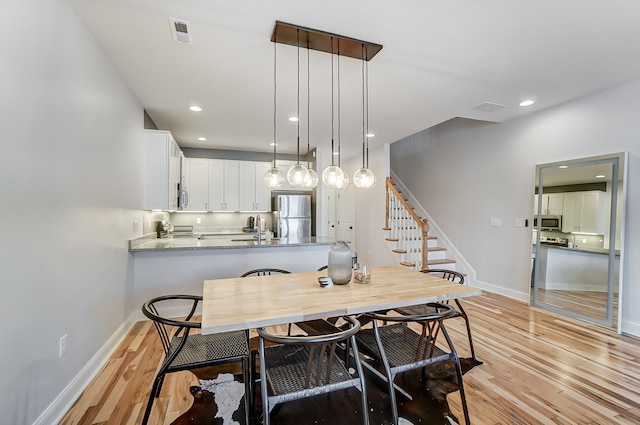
(69, 162)
(370, 207)
(466, 172)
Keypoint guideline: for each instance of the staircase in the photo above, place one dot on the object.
(406, 235)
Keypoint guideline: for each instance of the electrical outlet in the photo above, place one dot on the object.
(198, 220)
(62, 345)
(149, 223)
(584, 240)
(135, 226)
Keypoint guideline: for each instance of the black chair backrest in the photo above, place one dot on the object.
(314, 363)
(451, 275)
(442, 311)
(264, 272)
(323, 268)
(162, 323)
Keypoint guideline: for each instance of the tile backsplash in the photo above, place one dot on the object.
(220, 220)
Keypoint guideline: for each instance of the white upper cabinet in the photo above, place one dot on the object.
(198, 184)
(223, 185)
(161, 171)
(254, 195)
(584, 212)
(552, 204)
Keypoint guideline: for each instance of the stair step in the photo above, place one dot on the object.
(399, 251)
(386, 228)
(391, 239)
(436, 248)
(442, 261)
(407, 264)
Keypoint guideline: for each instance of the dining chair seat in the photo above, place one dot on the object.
(305, 366)
(425, 309)
(187, 351)
(394, 344)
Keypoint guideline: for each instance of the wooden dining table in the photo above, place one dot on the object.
(259, 301)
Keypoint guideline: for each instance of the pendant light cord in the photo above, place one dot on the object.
(367, 87)
(363, 110)
(275, 89)
(308, 107)
(339, 113)
(332, 104)
(298, 42)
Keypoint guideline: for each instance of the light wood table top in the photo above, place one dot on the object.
(252, 302)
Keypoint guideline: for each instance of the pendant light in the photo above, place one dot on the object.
(298, 173)
(332, 176)
(344, 182)
(364, 177)
(311, 180)
(274, 178)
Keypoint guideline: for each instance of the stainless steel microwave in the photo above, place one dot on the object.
(548, 222)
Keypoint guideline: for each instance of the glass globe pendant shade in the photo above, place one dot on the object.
(332, 176)
(364, 177)
(273, 178)
(311, 180)
(297, 174)
(344, 183)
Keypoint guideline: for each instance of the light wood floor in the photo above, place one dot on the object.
(538, 368)
(589, 303)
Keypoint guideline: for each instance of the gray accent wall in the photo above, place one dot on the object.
(466, 172)
(70, 160)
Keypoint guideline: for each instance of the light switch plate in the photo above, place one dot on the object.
(519, 222)
(496, 222)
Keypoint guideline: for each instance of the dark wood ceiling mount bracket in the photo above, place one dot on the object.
(320, 40)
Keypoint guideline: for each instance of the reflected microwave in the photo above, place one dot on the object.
(548, 222)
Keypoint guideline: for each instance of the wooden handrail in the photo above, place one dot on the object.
(421, 222)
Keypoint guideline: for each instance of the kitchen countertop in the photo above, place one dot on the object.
(151, 243)
(578, 249)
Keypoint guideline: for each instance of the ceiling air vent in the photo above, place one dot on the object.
(180, 31)
(489, 107)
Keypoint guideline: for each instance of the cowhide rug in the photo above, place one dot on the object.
(219, 401)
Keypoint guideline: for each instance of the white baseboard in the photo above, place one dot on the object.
(520, 296)
(54, 413)
(630, 328)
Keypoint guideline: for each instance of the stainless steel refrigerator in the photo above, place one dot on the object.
(292, 216)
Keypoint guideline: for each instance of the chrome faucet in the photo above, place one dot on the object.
(258, 229)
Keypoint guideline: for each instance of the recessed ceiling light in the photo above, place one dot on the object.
(563, 166)
(527, 102)
(195, 108)
(371, 135)
(202, 139)
(293, 119)
(600, 176)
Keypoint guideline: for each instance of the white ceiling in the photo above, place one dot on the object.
(439, 60)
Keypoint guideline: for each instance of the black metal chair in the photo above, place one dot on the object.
(185, 351)
(305, 366)
(423, 309)
(264, 272)
(399, 348)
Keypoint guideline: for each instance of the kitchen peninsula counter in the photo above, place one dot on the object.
(180, 265)
(224, 241)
